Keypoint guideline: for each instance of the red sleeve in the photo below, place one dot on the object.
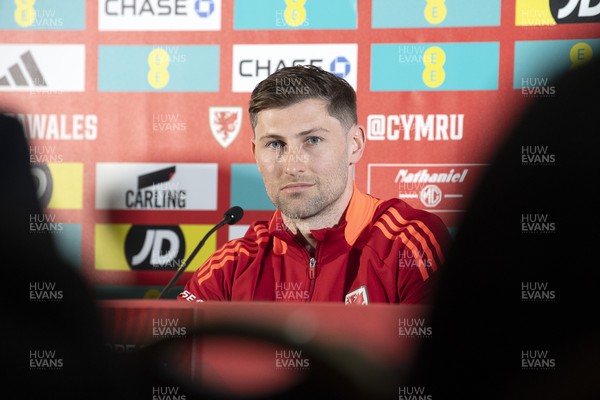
(213, 280)
(421, 252)
(412, 244)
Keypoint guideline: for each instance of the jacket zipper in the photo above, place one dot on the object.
(312, 273)
(312, 268)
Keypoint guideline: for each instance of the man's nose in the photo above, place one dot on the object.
(295, 160)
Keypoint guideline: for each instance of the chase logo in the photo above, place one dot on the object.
(42, 68)
(435, 13)
(253, 63)
(204, 8)
(58, 185)
(159, 15)
(294, 14)
(434, 66)
(552, 12)
(150, 247)
(158, 68)
(540, 61)
(340, 66)
(42, 14)
(155, 186)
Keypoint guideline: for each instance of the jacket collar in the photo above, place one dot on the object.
(357, 216)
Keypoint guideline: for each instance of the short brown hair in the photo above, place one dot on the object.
(290, 85)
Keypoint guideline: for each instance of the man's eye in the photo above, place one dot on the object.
(313, 140)
(275, 145)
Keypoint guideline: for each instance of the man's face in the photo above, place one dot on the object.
(305, 157)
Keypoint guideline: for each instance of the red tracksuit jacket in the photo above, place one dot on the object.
(381, 252)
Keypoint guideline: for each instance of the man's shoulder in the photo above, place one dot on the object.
(401, 209)
(395, 217)
(257, 231)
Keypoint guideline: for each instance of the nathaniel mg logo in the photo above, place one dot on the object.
(43, 68)
(150, 247)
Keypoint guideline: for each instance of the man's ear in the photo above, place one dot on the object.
(357, 143)
(253, 147)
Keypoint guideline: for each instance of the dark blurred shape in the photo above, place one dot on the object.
(336, 371)
(56, 346)
(522, 277)
(54, 342)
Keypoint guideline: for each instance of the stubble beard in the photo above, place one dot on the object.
(300, 206)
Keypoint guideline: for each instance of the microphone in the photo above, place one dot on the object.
(231, 216)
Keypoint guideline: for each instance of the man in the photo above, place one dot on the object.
(327, 241)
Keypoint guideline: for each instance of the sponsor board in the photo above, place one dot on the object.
(42, 15)
(434, 13)
(415, 127)
(159, 15)
(42, 68)
(295, 14)
(126, 247)
(156, 186)
(434, 66)
(538, 62)
(164, 68)
(254, 62)
(432, 187)
(248, 189)
(59, 185)
(553, 12)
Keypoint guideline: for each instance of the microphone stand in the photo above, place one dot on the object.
(184, 265)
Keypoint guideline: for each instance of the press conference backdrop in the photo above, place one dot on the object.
(136, 109)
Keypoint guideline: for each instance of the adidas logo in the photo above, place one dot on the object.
(17, 75)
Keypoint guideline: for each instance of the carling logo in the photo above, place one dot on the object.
(253, 63)
(159, 15)
(155, 186)
(42, 68)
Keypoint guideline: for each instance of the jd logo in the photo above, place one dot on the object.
(150, 247)
(573, 11)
